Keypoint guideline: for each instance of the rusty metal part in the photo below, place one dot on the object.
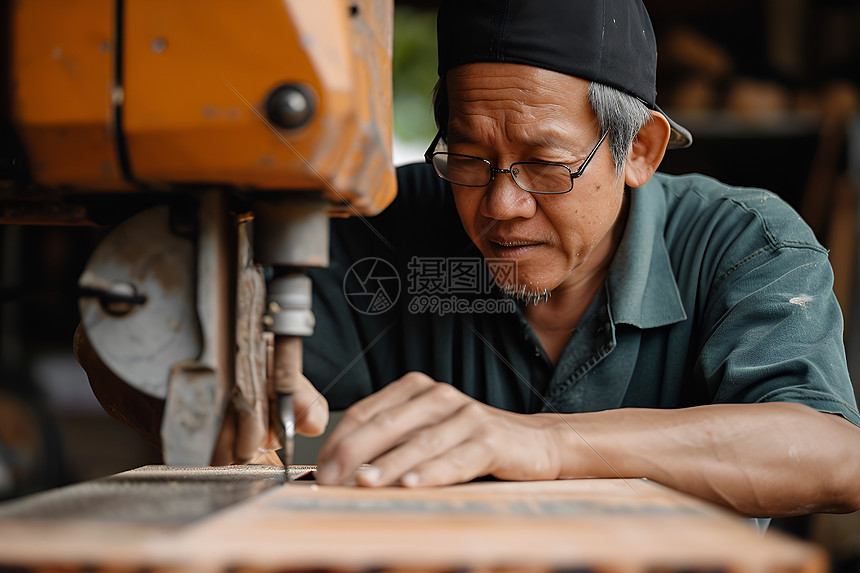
(49, 209)
(251, 396)
(63, 58)
(199, 388)
(112, 96)
(193, 89)
(269, 339)
(287, 363)
(141, 343)
(291, 231)
(287, 371)
(289, 318)
(117, 298)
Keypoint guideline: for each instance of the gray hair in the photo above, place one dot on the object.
(621, 115)
(618, 114)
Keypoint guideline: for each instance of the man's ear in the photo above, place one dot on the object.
(647, 151)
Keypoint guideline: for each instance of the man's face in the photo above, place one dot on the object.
(508, 113)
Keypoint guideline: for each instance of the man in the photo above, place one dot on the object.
(640, 325)
(668, 327)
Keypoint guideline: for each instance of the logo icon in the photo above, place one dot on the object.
(371, 286)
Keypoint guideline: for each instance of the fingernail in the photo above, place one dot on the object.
(409, 479)
(327, 472)
(368, 475)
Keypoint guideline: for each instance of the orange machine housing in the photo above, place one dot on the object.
(157, 95)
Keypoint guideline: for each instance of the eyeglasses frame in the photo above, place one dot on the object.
(430, 153)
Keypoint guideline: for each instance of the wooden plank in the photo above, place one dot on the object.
(598, 525)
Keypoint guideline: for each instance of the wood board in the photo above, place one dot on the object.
(595, 525)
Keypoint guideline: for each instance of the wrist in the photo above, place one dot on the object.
(581, 447)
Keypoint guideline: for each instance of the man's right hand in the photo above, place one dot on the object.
(311, 420)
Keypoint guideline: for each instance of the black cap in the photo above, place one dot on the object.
(605, 41)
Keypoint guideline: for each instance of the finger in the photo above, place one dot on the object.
(400, 391)
(311, 408)
(339, 459)
(465, 462)
(423, 445)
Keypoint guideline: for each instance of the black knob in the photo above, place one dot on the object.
(290, 106)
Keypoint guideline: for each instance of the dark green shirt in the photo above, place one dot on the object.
(715, 295)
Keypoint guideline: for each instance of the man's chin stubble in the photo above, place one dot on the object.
(525, 296)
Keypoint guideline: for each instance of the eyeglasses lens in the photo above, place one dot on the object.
(542, 177)
(462, 170)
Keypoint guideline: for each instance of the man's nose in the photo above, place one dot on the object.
(503, 199)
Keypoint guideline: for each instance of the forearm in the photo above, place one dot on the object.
(759, 459)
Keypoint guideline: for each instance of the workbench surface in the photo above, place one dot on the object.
(603, 525)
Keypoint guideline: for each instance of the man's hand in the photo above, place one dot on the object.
(418, 432)
(232, 446)
(758, 459)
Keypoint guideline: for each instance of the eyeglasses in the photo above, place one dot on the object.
(541, 177)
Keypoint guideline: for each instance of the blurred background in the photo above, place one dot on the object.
(770, 90)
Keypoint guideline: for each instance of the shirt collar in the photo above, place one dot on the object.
(641, 285)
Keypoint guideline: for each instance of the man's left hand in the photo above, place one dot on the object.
(418, 432)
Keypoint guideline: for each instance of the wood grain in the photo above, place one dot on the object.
(598, 525)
